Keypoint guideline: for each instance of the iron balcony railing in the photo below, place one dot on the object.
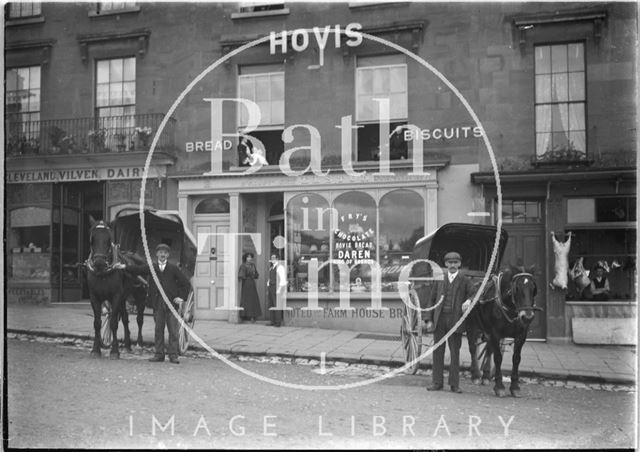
(87, 135)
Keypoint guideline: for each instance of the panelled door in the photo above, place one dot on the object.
(526, 247)
(209, 285)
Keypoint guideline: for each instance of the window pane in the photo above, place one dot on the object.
(543, 118)
(578, 141)
(576, 86)
(277, 87)
(543, 88)
(560, 141)
(12, 80)
(265, 110)
(309, 222)
(115, 94)
(262, 88)
(115, 71)
(129, 69)
(543, 143)
(129, 95)
(543, 60)
(102, 70)
(366, 109)
(23, 78)
(519, 212)
(576, 57)
(576, 117)
(277, 112)
(532, 212)
(34, 77)
(401, 225)
(355, 238)
(559, 59)
(559, 117)
(399, 106)
(398, 79)
(365, 81)
(245, 88)
(102, 95)
(34, 100)
(381, 81)
(559, 87)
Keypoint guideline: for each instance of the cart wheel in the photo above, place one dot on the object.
(188, 315)
(411, 332)
(106, 338)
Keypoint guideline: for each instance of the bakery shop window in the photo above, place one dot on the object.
(363, 231)
(308, 218)
(401, 226)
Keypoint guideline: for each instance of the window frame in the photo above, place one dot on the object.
(392, 120)
(567, 153)
(329, 197)
(22, 6)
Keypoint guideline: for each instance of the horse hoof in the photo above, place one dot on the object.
(499, 392)
(475, 381)
(114, 355)
(485, 381)
(515, 392)
(96, 354)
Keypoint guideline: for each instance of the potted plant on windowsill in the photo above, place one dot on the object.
(97, 137)
(121, 146)
(142, 137)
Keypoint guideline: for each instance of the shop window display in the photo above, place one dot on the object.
(29, 257)
(611, 249)
(353, 230)
(308, 219)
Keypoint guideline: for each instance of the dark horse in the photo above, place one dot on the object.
(108, 283)
(505, 309)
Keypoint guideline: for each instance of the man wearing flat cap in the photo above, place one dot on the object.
(448, 296)
(176, 287)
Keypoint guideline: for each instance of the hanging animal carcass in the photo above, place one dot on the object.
(561, 251)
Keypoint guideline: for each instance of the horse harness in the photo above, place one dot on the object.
(115, 253)
(497, 281)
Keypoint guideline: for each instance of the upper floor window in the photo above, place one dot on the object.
(560, 102)
(381, 81)
(115, 6)
(264, 85)
(22, 107)
(24, 9)
(115, 102)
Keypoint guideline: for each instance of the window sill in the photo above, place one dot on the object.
(115, 12)
(257, 14)
(25, 21)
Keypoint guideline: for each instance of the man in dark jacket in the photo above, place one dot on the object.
(450, 295)
(176, 287)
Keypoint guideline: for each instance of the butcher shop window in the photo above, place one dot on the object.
(603, 234)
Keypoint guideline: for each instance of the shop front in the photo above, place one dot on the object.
(48, 215)
(593, 211)
(337, 234)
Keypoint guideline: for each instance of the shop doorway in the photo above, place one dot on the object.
(73, 206)
(526, 247)
(209, 277)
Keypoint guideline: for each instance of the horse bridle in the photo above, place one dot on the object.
(114, 259)
(497, 281)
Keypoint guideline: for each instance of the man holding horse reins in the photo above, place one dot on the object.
(448, 296)
(176, 286)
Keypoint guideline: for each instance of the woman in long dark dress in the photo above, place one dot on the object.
(249, 300)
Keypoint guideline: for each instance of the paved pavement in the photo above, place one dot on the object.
(605, 364)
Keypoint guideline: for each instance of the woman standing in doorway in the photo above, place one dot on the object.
(247, 274)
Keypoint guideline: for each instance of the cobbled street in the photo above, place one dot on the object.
(60, 397)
